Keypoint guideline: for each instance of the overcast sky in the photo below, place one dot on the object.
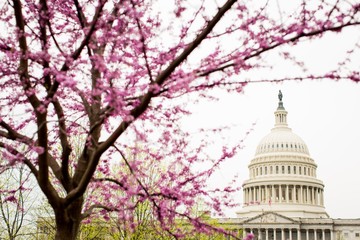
(325, 114)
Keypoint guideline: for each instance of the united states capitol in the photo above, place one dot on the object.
(283, 199)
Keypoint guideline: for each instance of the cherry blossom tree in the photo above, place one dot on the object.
(121, 74)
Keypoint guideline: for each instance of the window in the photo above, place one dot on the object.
(357, 235)
(265, 170)
(299, 170)
(277, 169)
(283, 169)
(271, 170)
(294, 169)
(260, 170)
(289, 169)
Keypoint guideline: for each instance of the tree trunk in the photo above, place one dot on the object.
(68, 221)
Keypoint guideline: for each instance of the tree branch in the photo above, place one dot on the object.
(289, 40)
(89, 211)
(78, 51)
(14, 135)
(66, 148)
(34, 101)
(143, 47)
(80, 14)
(21, 157)
(144, 103)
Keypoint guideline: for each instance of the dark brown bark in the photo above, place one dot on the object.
(68, 220)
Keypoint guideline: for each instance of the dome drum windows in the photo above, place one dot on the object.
(283, 169)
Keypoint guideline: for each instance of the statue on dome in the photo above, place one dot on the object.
(280, 95)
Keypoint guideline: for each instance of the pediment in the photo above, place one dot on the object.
(271, 217)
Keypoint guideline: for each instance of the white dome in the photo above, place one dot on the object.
(282, 175)
(281, 139)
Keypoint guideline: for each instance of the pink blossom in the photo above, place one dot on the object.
(38, 150)
(250, 236)
(10, 198)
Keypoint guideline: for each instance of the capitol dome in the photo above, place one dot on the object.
(282, 175)
(282, 139)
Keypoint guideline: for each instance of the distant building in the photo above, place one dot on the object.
(283, 198)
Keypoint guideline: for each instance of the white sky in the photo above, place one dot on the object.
(325, 114)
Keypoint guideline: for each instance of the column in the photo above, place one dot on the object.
(307, 234)
(273, 197)
(247, 195)
(244, 196)
(254, 193)
(301, 194)
(282, 234)
(274, 233)
(267, 193)
(323, 234)
(294, 194)
(260, 194)
(280, 193)
(331, 234)
(307, 194)
(244, 233)
(266, 234)
(320, 193)
(298, 234)
(315, 234)
(287, 193)
(290, 234)
(312, 195)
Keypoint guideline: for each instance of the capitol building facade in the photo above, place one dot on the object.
(283, 199)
